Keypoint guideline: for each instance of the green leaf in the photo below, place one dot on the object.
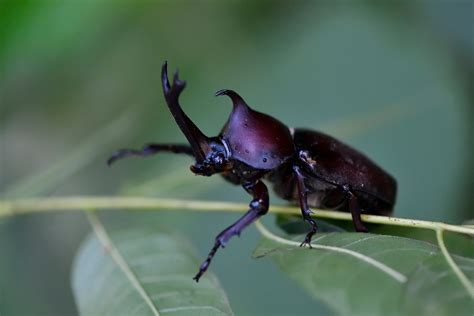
(366, 274)
(438, 288)
(141, 271)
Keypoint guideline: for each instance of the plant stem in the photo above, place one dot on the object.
(52, 204)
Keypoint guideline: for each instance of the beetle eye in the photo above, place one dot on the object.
(219, 159)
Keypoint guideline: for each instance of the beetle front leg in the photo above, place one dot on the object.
(150, 149)
(258, 207)
(355, 211)
(305, 210)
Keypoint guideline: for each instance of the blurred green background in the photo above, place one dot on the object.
(79, 79)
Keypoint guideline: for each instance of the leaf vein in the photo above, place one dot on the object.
(184, 308)
(399, 277)
(105, 240)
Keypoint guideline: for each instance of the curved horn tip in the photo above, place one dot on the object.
(230, 93)
(222, 92)
(234, 96)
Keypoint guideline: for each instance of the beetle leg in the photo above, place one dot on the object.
(305, 210)
(150, 149)
(258, 207)
(355, 211)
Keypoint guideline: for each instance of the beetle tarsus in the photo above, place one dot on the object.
(258, 207)
(306, 241)
(205, 265)
(314, 228)
(305, 210)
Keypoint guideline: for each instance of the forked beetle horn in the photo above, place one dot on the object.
(198, 141)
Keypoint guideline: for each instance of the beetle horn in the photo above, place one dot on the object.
(236, 99)
(198, 141)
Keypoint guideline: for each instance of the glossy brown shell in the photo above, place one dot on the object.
(254, 138)
(340, 164)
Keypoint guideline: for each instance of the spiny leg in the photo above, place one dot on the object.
(150, 149)
(305, 210)
(258, 207)
(354, 207)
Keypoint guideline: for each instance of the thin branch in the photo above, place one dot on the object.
(53, 204)
(461, 276)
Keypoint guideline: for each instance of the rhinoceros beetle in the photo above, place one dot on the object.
(306, 166)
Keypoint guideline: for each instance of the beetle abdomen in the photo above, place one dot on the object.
(335, 162)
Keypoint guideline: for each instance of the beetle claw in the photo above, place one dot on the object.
(307, 241)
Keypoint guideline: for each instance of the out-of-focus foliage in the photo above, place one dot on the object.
(81, 79)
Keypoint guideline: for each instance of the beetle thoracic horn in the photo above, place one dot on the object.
(236, 99)
(199, 142)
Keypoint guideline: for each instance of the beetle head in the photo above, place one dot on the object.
(254, 138)
(216, 159)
